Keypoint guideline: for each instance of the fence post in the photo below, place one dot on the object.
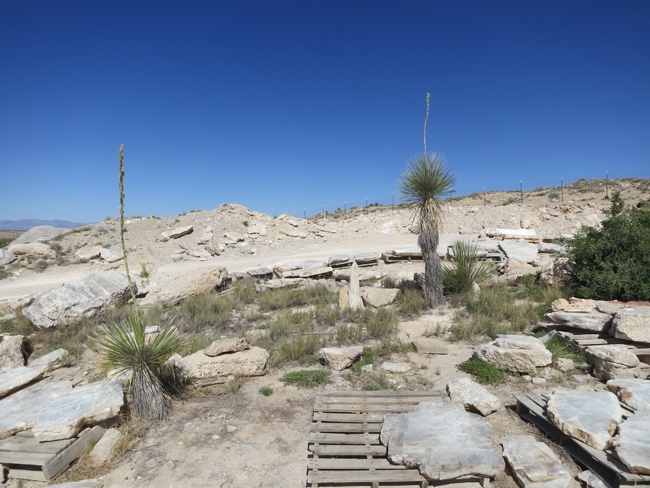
(366, 205)
(345, 210)
(521, 191)
(606, 185)
(323, 211)
(484, 203)
(393, 200)
(562, 188)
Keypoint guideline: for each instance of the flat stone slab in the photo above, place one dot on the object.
(548, 247)
(366, 258)
(395, 367)
(511, 233)
(16, 378)
(592, 320)
(473, 396)
(180, 231)
(589, 416)
(430, 346)
(286, 283)
(635, 393)
(521, 250)
(66, 415)
(633, 443)
(632, 324)
(225, 346)
(612, 362)
(422, 439)
(533, 463)
(340, 358)
(517, 353)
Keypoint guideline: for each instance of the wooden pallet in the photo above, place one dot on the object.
(604, 464)
(28, 459)
(586, 339)
(344, 444)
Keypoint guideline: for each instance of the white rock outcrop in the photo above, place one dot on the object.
(34, 250)
(81, 298)
(589, 416)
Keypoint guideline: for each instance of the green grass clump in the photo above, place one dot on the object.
(485, 373)
(208, 310)
(368, 324)
(367, 357)
(411, 301)
(4, 241)
(560, 348)
(377, 381)
(266, 390)
(306, 378)
(4, 273)
(282, 299)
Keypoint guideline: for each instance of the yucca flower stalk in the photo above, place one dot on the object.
(466, 269)
(126, 349)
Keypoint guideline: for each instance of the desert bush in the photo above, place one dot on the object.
(554, 195)
(327, 314)
(466, 269)
(376, 381)
(411, 301)
(612, 262)
(207, 310)
(266, 390)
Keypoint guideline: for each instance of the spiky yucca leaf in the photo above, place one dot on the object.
(125, 348)
(466, 268)
(423, 185)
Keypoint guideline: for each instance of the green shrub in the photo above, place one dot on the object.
(466, 269)
(266, 390)
(613, 261)
(4, 241)
(306, 378)
(377, 381)
(367, 357)
(485, 373)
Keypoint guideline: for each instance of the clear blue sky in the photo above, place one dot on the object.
(282, 105)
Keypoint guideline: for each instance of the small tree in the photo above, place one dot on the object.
(612, 262)
(126, 348)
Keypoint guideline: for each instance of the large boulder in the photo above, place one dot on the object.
(87, 253)
(191, 282)
(180, 231)
(589, 416)
(208, 370)
(12, 352)
(586, 320)
(519, 354)
(40, 233)
(611, 362)
(378, 297)
(340, 358)
(632, 324)
(81, 298)
(34, 250)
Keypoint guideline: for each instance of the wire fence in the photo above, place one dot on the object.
(607, 184)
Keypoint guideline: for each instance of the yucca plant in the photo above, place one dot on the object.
(466, 268)
(423, 185)
(126, 348)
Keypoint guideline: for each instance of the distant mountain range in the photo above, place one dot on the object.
(26, 224)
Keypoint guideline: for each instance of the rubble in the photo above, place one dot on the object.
(473, 396)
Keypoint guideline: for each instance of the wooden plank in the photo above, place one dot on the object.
(26, 474)
(337, 450)
(345, 427)
(27, 458)
(380, 393)
(406, 400)
(65, 457)
(349, 417)
(341, 463)
(344, 438)
(31, 444)
(364, 476)
(382, 408)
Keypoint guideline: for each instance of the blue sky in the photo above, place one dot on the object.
(282, 106)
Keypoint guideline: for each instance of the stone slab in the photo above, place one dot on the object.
(521, 250)
(520, 354)
(632, 324)
(225, 346)
(635, 393)
(534, 464)
(378, 297)
(12, 352)
(473, 396)
(511, 233)
(180, 231)
(208, 370)
(422, 439)
(395, 367)
(430, 346)
(104, 450)
(633, 443)
(340, 358)
(589, 416)
(593, 320)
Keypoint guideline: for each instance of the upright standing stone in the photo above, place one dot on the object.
(354, 298)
